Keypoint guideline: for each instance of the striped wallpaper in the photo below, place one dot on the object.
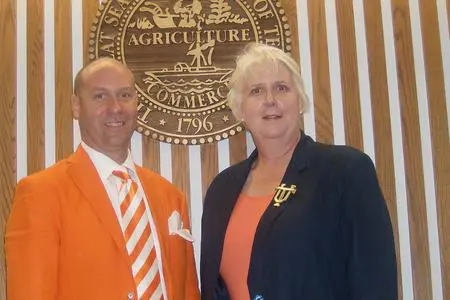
(378, 76)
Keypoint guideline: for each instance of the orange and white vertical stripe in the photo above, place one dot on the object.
(138, 238)
(378, 76)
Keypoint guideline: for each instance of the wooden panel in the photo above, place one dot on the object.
(238, 148)
(7, 123)
(210, 165)
(448, 13)
(381, 119)
(320, 71)
(63, 74)
(412, 151)
(150, 154)
(439, 130)
(349, 74)
(180, 168)
(35, 81)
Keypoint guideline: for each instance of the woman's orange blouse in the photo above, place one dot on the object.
(238, 243)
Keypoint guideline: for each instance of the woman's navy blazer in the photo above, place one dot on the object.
(331, 240)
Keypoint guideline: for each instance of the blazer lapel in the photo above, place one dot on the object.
(228, 201)
(292, 176)
(85, 177)
(290, 180)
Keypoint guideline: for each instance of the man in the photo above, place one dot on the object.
(96, 226)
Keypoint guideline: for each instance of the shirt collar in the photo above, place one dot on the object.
(105, 165)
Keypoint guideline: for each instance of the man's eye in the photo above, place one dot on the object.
(99, 96)
(126, 95)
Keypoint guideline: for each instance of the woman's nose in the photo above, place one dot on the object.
(270, 97)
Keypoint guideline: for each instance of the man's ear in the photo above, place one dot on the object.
(75, 105)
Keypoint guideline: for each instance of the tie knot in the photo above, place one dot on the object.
(124, 176)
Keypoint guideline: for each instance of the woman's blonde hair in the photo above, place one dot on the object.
(259, 54)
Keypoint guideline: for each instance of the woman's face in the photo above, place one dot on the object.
(270, 104)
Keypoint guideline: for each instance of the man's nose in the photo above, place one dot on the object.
(114, 104)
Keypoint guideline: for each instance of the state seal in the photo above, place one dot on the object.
(182, 54)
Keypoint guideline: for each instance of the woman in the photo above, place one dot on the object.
(297, 219)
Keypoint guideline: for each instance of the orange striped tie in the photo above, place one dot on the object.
(139, 239)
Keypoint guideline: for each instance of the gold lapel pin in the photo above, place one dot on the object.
(282, 193)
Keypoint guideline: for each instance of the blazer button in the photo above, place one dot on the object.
(130, 296)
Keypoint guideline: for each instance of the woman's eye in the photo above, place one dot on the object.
(282, 88)
(255, 91)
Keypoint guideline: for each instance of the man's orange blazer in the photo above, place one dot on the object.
(63, 240)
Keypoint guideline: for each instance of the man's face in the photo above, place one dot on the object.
(106, 108)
